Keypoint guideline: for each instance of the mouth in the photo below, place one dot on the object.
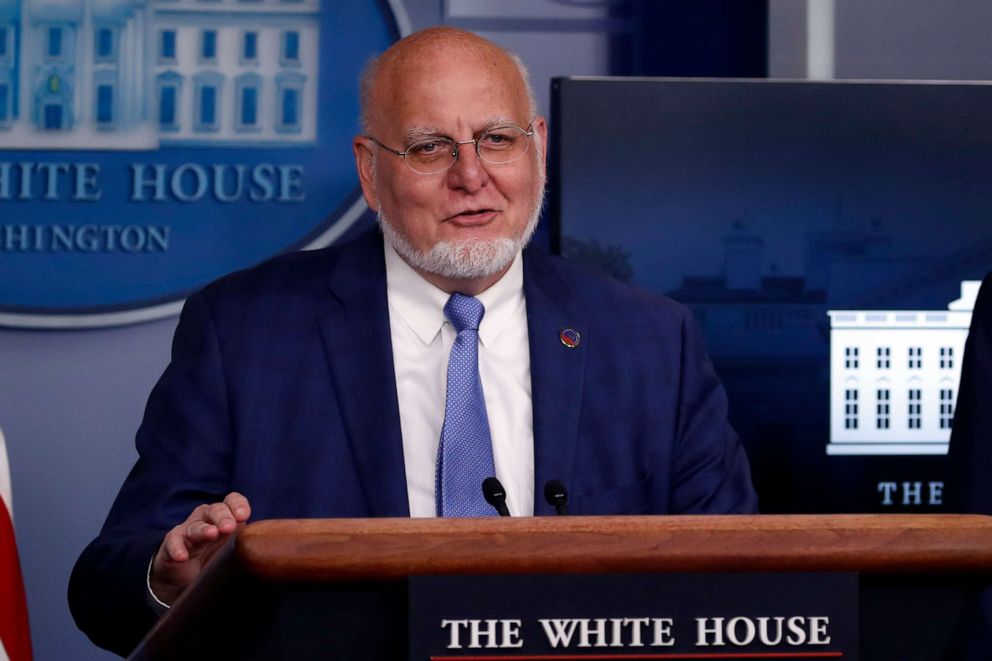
(472, 217)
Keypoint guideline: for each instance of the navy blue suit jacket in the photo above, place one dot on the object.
(281, 387)
(969, 482)
(969, 477)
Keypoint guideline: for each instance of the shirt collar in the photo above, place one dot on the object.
(421, 305)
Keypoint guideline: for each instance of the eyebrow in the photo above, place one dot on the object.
(421, 132)
(427, 132)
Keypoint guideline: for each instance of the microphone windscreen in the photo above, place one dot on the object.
(554, 492)
(493, 491)
(495, 495)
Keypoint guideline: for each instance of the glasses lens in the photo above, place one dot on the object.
(430, 156)
(504, 144)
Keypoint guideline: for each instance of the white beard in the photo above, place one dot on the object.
(470, 259)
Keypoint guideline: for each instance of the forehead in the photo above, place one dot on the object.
(451, 88)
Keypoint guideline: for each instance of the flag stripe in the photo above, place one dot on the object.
(5, 491)
(15, 635)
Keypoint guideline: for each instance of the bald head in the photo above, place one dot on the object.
(416, 56)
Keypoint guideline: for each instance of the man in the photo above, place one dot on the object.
(314, 385)
(969, 489)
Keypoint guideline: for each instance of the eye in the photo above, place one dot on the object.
(424, 148)
(498, 139)
(429, 148)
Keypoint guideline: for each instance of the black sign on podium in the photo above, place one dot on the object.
(625, 616)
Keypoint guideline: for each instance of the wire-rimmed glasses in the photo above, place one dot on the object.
(435, 154)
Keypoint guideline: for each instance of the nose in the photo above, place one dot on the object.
(468, 171)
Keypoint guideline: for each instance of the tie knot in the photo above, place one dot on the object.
(464, 312)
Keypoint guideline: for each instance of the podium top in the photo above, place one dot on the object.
(351, 549)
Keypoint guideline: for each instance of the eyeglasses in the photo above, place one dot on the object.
(436, 154)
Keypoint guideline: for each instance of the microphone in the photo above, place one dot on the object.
(495, 495)
(557, 497)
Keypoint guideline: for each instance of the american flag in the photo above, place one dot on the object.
(15, 636)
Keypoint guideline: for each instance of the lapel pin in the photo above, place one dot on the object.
(569, 337)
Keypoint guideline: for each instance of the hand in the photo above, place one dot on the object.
(188, 547)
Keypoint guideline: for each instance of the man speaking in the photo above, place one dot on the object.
(391, 375)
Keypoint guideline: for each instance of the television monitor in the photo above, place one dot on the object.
(827, 236)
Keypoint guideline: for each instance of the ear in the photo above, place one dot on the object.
(362, 148)
(541, 129)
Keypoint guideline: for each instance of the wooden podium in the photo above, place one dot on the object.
(336, 588)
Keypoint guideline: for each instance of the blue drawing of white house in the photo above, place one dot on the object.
(137, 74)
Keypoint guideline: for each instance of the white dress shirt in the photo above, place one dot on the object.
(422, 340)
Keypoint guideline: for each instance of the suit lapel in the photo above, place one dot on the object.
(557, 374)
(358, 345)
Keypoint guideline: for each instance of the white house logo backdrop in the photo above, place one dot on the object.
(894, 377)
(147, 148)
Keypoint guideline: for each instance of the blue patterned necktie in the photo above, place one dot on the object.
(465, 455)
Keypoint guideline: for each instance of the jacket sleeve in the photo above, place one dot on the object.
(183, 458)
(710, 471)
